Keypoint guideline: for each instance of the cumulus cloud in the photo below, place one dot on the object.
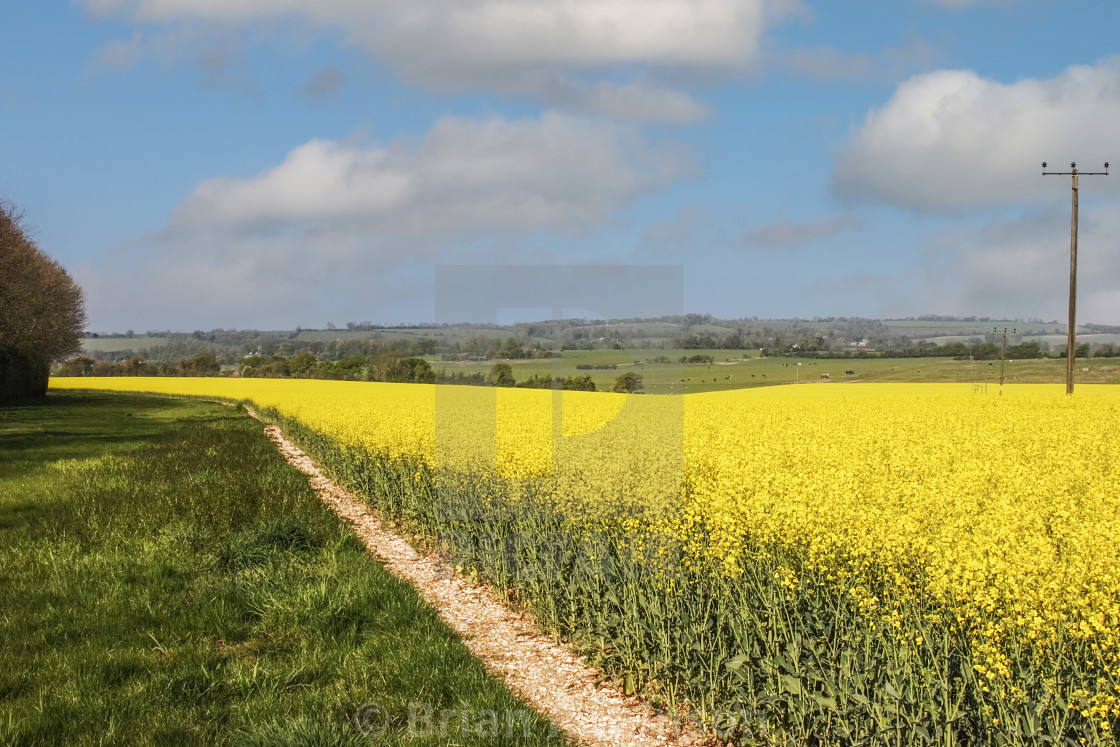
(953, 141)
(787, 234)
(474, 35)
(1020, 267)
(337, 224)
(515, 46)
(465, 178)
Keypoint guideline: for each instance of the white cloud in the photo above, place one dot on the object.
(787, 234)
(336, 225)
(953, 141)
(638, 102)
(477, 37)
(1020, 268)
(466, 178)
(515, 46)
(472, 35)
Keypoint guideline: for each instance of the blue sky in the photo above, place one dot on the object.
(273, 163)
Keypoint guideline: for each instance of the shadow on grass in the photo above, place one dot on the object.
(79, 425)
(169, 579)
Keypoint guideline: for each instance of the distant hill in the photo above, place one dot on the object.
(689, 331)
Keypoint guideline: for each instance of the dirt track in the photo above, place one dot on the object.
(547, 675)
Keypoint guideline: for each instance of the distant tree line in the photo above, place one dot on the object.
(202, 364)
(383, 367)
(1107, 350)
(392, 368)
(490, 348)
(42, 315)
(951, 318)
(233, 346)
(981, 351)
(571, 383)
(792, 339)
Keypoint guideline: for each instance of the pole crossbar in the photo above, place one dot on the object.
(1071, 332)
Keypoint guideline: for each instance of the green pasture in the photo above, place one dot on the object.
(730, 370)
(1058, 341)
(167, 579)
(916, 328)
(448, 334)
(327, 335)
(117, 344)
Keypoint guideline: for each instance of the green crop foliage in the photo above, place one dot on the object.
(774, 655)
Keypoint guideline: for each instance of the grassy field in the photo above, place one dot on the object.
(168, 579)
(115, 344)
(1056, 341)
(397, 333)
(443, 334)
(731, 370)
(916, 328)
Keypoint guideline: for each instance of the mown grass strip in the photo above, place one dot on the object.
(168, 579)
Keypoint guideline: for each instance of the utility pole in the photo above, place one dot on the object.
(1071, 333)
(1003, 359)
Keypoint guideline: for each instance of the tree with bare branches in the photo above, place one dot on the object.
(42, 315)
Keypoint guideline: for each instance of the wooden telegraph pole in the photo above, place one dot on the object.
(1003, 357)
(1071, 333)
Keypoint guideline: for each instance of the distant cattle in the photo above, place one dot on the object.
(826, 376)
(850, 373)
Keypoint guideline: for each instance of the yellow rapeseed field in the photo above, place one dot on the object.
(997, 514)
